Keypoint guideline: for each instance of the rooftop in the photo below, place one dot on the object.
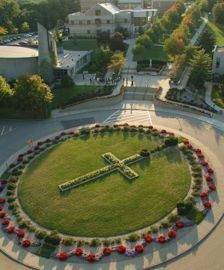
(67, 59)
(129, 1)
(17, 52)
(110, 7)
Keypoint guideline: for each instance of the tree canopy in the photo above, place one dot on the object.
(5, 91)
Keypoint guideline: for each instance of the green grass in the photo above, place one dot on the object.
(80, 44)
(218, 32)
(62, 95)
(111, 205)
(45, 250)
(195, 215)
(218, 95)
(154, 53)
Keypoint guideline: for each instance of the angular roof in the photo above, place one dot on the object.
(110, 7)
(129, 1)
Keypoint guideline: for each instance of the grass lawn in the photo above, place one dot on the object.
(80, 44)
(110, 205)
(63, 95)
(218, 95)
(154, 53)
(218, 32)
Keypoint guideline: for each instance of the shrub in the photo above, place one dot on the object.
(183, 208)
(133, 237)
(144, 153)
(171, 141)
(40, 234)
(67, 241)
(11, 186)
(53, 238)
(94, 242)
(154, 229)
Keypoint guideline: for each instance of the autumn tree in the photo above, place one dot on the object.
(32, 94)
(218, 13)
(5, 92)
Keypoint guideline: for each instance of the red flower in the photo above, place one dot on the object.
(20, 233)
(4, 181)
(208, 178)
(10, 229)
(172, 233)
(148, 238)
(97, 126)
(2, 200)
(201, 156)
(106, 251)
(2, 214)
(26, 243)
(197, 150)
(140, 126)
(5, 221)
(171, 133)
(189, 146)
(126, 124)
(139, 248)
(179, 224)
(203, 193)
(71, 132)
(161, 238)
(77, 251)
(207, 204)
(91, 257)
(62, 256)
(163, 131)
(212, 186)
(186, 142)
(150, 127)
(1, 207)
(155, 129)
(204, 163)
(120, 248)
(106, 126)
(12, 165)
(210, 170)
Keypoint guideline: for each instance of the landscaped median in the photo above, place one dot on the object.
(164, 163)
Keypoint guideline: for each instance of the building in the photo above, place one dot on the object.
(48, 60)
(16, 61)
(71, 62)
(130, 4)
(87, 4)
(162, 5)
(218, 61)
(108, 17)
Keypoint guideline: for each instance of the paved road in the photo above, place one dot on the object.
(209, 255)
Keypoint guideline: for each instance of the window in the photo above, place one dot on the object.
(217, 62)
(98, 22)
(108, 21)
(98, 12)
(88, 21)
(80, 22)
(88, 32)
(125, 20)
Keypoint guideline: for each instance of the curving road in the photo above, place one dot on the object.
(14, 135)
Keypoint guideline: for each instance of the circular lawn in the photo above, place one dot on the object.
(112, 204)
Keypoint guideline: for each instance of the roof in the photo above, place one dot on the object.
(110, 7)
(68, 59)
(129, 1)
(17, 52)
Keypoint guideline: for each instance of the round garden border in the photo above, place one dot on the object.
(120, 248)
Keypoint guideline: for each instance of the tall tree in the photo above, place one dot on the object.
(117, 42)
(207, 41)
(5, 91)
(32, 94)
(218, 13)
(200, 68)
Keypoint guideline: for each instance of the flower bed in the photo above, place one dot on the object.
(191, 154)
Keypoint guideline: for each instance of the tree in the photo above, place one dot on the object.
(218, 13)
(138, 48)
(144, 40)
(116, 61)
(25, 27)
(32, 94)
(5, 92)
(3, 30)
(200, 68)
(207, 41)
(117, 42)
(67, 82)
(179, 63)
(175, 44)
